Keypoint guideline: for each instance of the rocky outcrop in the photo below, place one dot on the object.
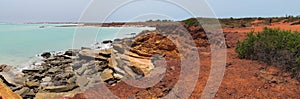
(74, 71)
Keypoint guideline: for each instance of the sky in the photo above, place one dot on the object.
(139, 10)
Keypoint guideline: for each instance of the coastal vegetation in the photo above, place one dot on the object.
(274, 47)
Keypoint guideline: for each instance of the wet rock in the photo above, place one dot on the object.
(46, 55)
(107, 41)
(70, 53)
(107, 74)
(63, 88)
(117, 40)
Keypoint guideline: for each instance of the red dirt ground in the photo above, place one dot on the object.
(242, 79)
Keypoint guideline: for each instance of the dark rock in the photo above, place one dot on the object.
(2, 67)
(30, 71)
(77, 65)
(107, 41)
(117, 40)
(70, 53)
(46, 55)
(83, 48)
(119, 48)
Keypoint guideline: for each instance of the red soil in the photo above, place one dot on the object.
(242, 79)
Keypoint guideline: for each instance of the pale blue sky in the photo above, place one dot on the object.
(71, 10)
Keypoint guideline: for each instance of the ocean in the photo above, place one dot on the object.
(20, 43)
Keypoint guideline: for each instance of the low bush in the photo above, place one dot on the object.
(274, 47)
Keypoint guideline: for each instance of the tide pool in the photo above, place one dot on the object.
(19, 43)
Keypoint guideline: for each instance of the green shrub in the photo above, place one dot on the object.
(274, 47)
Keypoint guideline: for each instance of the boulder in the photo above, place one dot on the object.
(107, 74)
(107, 41)
(70, 53)
(46, 55)
(142, 66)
(32, 84)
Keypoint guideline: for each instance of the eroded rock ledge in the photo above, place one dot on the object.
(76, 70)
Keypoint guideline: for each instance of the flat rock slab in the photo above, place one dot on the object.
(53, 95)
(61, 88)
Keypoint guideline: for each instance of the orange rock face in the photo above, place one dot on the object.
(6, 92)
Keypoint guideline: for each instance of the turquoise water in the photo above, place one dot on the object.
(19, 43)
